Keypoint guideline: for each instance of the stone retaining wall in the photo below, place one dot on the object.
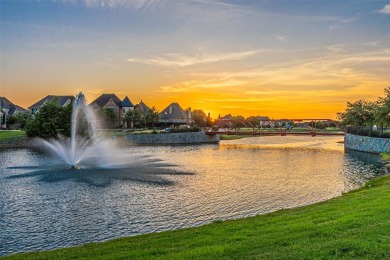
(173, 138)
(366, 144)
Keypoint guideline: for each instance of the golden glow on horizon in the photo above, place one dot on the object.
(275, 104)
(308, 89)
(241, 59)
(316, 87)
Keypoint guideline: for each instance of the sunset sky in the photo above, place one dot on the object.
(283, 59)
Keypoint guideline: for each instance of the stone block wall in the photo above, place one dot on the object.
(173, 138)
(366, 144)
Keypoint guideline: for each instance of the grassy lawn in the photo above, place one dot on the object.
(6, 136)
(354, 226)
(234, 137)
(385, 156)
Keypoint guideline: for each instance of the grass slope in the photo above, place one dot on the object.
(6, 136)
(354, 226)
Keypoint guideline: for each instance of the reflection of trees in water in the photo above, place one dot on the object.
(365, 157)
(362, 167)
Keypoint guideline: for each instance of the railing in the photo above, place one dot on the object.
(281, 127)
(371, 131)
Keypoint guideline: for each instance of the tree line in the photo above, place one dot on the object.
(52, 120)
(367, 113)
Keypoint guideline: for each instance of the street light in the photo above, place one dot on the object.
(166, 119)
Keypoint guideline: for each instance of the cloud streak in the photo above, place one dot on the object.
(197, 85)
(137, 4)
(332, 77)
(385, 9)
(183, 60)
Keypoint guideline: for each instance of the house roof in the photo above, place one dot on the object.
(227, 117)
(103, 99)
(126, 103)
(263, 118)
(6, 104)
(50, 98)
(143, 107)
(173, 113)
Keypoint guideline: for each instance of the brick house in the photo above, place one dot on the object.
(119, 107)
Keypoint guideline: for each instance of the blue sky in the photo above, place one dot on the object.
(242, 57)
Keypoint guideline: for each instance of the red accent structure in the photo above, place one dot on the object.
(280, 127)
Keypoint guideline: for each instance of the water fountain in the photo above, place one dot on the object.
(84, 141)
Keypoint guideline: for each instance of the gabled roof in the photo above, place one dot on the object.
(227, 117)
(142, 107)
(126, 103)
(50, 98)
(104, 98)
(263, 118)
(173, 113)
(6, 104)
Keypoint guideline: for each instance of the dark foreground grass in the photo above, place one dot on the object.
(354, 226)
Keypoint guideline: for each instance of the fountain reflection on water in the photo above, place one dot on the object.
(84, 141)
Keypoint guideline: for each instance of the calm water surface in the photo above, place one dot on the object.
(43, 205)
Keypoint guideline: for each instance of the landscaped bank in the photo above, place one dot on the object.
(356, 225)
(13, 138)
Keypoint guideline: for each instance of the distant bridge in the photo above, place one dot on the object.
(267, 127)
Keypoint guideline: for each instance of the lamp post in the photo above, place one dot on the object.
(166, 119)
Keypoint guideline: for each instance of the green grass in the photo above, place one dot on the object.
(385, 156)
(6, 136)
(233, 137)
(353, 226)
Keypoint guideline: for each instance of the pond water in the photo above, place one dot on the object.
(43, 205)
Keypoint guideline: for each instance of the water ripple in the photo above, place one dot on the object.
(44, 206)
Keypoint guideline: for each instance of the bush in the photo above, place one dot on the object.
(184, 130)
(50, 121)
(368, 131)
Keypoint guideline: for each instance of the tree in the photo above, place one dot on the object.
(152, 116)
(237, 121)
(22, 118)
(109, 116)
(133, 118)
(359, 113)
(17, 121)
(50, 121)
(254, 120)
(382, 111)
(199, 117)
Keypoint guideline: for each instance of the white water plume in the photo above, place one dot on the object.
(84, 142)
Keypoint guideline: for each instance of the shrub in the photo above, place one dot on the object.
(184, 130)
(50, 121)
